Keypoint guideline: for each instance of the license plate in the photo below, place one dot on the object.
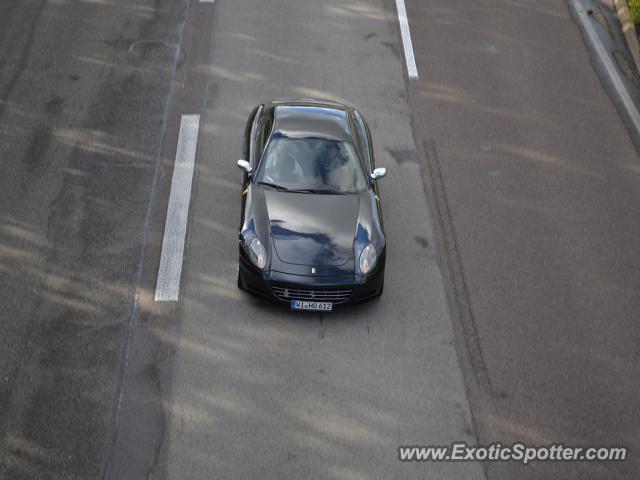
(318, 306)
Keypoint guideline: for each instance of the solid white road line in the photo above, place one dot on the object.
(175, 228)
(412, 70)
(613, 72)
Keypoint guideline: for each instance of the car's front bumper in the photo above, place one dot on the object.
(284, 287)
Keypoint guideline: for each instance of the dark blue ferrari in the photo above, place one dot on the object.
(311, 231)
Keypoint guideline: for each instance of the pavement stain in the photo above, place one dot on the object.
(35, 157)
(54, 105)
(422, 241)
(403, 156)
(395, 49)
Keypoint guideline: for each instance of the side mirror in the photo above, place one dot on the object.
(379, 173)
(244, 165)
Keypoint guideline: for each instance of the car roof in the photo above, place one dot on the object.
(304, 119)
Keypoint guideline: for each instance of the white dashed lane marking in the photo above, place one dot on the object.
(409, 57)
(175, 228)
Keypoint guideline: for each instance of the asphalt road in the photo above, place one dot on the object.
(259, 391)
(512, 270)
(542, 184)
(84, 90)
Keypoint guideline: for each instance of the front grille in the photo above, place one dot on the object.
(333, 295)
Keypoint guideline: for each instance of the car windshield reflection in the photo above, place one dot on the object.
(315, 165)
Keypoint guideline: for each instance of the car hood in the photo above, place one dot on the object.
(312, 229)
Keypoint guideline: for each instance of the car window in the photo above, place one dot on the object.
(266, 129)
(355, 133)
(365, 139)
(312, 163)
(256, 145)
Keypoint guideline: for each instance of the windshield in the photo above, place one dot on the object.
(314, 164)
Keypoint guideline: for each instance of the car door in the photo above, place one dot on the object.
(249, 154)
(262, 132)
(257, 133)
(364, 137)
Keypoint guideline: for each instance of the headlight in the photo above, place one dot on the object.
(368, 258)
(257, 253)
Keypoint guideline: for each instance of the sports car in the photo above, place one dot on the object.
(311, 232)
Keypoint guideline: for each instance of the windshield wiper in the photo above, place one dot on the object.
(321, 191)
(280, 188)
(303, 190)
